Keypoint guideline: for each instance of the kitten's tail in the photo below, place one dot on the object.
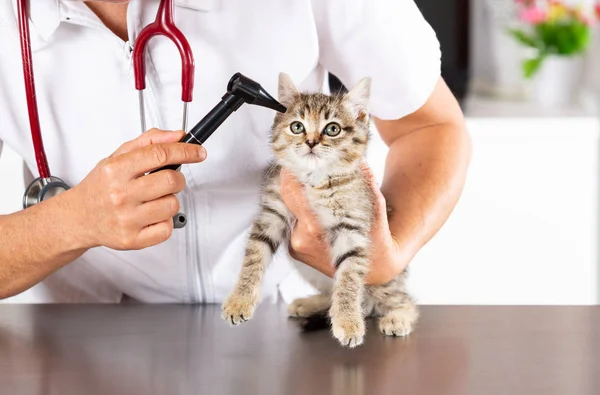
(316, 322)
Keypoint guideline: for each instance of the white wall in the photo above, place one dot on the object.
(525, 230)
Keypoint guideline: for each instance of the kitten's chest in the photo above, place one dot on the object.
(330, 211)
(331, 206)
(335, 200)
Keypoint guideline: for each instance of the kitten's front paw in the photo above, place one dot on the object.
(238, 308)
(349, 331)
(396, 324)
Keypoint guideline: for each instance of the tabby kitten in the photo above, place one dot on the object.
(322, 140)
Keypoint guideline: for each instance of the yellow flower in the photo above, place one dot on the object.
(557, 11)
(580, 14)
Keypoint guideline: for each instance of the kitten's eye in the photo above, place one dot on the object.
(297, 127)
(332, 129)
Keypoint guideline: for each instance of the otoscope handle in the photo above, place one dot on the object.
(211, 122)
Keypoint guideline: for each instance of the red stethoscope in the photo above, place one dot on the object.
(46, 185)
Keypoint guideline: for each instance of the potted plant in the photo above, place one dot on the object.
(557, 35)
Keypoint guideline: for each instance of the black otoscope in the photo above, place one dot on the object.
(240, 90)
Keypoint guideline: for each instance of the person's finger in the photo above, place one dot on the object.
(322, 263)
(156, 185)
(155, 234)
(305, 243)
(153, 157)
(293, 197)
(380, 202)
(310, 250)
(368, 173)
(152, 136)
(158, 210)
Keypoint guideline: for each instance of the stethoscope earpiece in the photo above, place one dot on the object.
(41, 189)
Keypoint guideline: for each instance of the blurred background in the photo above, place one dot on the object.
(527, 75)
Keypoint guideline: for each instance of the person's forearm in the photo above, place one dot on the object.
(36, 242)
(424, 176)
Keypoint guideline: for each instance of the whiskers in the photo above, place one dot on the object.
(325, 159)
(334, 158)
(271, 169)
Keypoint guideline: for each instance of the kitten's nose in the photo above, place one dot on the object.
(311, 143)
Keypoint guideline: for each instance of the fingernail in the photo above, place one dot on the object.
(202, 153)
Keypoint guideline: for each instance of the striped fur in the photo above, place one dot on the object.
(344, 204)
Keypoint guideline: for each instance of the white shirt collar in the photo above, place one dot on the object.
(45, 15)
(199, 5)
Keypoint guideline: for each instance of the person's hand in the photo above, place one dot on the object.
(121, 208)
(308, 245)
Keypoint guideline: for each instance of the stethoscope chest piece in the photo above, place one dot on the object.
(41, 189)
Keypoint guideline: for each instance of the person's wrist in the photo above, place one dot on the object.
(74, 220)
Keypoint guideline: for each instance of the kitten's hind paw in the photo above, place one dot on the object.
(307, 307)
(350, 332)
(238, 308)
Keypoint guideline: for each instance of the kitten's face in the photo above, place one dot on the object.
(321, 133)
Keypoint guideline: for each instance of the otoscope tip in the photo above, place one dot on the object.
(252, 93)
(266, 100)
(280, 108)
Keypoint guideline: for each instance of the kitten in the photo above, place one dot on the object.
(321, 140)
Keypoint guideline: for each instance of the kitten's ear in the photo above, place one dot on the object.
(287, 90)
(357, 99)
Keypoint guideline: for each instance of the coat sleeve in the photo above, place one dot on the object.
(387, 40)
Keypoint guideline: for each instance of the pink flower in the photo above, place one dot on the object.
(533, 15)
(585, 20)
(597, 8)
(528, 3)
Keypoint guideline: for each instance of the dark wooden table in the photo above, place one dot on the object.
(167, 349)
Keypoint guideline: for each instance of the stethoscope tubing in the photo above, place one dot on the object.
(34, 118)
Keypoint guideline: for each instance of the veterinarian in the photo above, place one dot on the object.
(110, 237)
